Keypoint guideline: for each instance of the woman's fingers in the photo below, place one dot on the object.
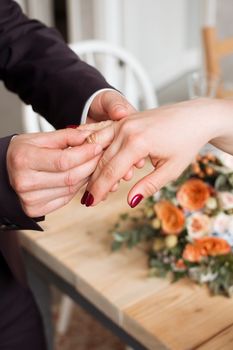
(140, 164)
(115, 187)
(111, 169)
(103, 137)
(152, 183)
(95, 126)
(128, 176)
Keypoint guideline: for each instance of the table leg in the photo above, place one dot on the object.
(41, 290)
(65, 313)
(73, 293)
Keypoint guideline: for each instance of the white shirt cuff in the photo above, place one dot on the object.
(88, 104)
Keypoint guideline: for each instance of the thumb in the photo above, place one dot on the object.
(110, 104)
(117, 106)
(151, 183)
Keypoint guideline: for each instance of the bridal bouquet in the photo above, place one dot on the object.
(188, 226)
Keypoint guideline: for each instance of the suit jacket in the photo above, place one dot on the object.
(36, 64)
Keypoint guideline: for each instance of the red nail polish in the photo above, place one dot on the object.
(84, 197)
(136, 200)
(89, 200)
(72, 126)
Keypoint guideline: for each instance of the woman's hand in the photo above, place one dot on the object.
(171, 136)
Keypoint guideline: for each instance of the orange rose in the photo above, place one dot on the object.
(192, 253)
(180, 265)
(213, 246)
(172, 218)
(206, 246)
(193, 194)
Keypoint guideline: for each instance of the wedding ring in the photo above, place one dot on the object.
(91, 138)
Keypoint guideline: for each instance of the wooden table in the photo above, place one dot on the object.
(148, 313)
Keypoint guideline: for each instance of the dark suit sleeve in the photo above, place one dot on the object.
(12, 217)
(36, 64)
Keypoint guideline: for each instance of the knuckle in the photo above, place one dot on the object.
(70, 180)
(71, 190)
(67, 133)
(62, 163)
(128, 127)
(20, 184)
(18, 159)
(27, 199)
(151, 187)
(108, 172)
(102, 163)
(137, 140)
(66, 200)
(30, 211)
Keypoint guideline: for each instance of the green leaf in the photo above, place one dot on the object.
(124, 216)
(119, 237)
(221, 182)
(116, 245)
(134, 239)
(221, 169)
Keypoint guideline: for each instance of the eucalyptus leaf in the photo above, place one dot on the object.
(221, 169)
(220, 182)
(116, 245)
(119, 237)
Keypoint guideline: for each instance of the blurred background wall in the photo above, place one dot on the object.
(163, 34)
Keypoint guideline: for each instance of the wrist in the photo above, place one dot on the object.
(213, 117)
(221, 120)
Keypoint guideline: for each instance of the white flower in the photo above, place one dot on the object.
(157, 196)
(223, 227)
(225, 200)
(199, 225)
(230, 226)
(221, 223)
(227, 236)
(211, 203)
(208, 277)
(227, 159)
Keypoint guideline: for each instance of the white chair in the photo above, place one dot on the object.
(119, 67)
(124, 72)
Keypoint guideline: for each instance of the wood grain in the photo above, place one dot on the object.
(214, 51)
(76, 245)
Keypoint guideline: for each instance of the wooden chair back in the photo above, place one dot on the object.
(214, 51)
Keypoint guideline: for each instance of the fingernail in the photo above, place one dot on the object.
(89, 200)
(98, 149)
(72, 126)
(84, 197)
(121, 109)
(136, 200)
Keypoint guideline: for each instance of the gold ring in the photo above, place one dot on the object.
(91, 138)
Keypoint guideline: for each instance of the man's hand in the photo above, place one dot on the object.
(109, 104)
(46, 170)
